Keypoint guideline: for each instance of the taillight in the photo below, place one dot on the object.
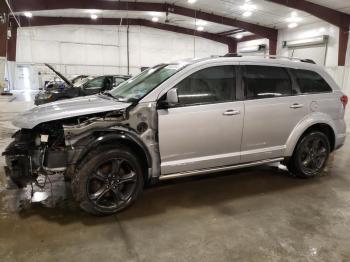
(344, 100)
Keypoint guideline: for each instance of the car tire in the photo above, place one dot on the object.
(310, 155)
(108, 180)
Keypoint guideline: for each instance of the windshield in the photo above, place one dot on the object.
(137, 87)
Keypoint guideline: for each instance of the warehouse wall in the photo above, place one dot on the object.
(95, 50)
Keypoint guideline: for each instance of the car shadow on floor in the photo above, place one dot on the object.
(211, 190)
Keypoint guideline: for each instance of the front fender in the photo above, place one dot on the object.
(308, 121)
(107, 137)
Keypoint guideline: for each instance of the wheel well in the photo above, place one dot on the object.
(324, 128)
(140, 154)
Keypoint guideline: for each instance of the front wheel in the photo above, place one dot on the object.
(108, 181)
(310, 155)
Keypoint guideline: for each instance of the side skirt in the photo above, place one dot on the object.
(218, 169)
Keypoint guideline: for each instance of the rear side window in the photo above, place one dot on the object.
(266, 82)
(211, 85)
(311, 82)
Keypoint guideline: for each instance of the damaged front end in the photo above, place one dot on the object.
(35, 151)
(57, 147)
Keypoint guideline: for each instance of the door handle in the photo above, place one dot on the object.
(231, 112)
(296, 105)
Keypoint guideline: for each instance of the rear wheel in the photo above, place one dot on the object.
(310, 155)
(108, 181)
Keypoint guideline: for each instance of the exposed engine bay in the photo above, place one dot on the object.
(58, 146)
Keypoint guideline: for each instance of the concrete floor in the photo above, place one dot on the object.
(256, 214)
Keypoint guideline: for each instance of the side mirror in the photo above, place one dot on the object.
(172, 97)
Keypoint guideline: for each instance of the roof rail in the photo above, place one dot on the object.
(310, 61)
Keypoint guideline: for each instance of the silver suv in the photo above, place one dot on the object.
(179, 119)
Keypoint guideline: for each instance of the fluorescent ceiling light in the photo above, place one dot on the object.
(28, 14)
(292, 25)
(238, 36)
(94, 17)
(200, 28)
(191, 1)
(201, 23)
(294, 18)
(155, 19)
(247, 13)
(248, 7)
(155, 13)
(93, 11)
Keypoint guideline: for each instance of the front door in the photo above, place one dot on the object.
(204, 130)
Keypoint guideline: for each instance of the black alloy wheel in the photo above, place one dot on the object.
(112, 183)
(108, 180)
(311, 155)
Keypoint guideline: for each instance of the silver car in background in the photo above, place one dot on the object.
(179, 119)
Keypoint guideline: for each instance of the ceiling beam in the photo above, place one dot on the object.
(332, 16)
(37, 5)
(249, 38)
(47, 21)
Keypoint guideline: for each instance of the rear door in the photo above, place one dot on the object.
(204, 130)
(272, 110)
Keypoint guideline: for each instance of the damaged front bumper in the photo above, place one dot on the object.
(26, 160)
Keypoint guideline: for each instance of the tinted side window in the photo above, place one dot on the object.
(95, 83)
(118, 81)
(311, 82)
(211, 85)
(266, 81)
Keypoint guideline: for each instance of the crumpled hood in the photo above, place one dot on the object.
(67, 108)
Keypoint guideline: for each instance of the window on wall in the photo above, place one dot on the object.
(266, 82)
(311, 82)
(210, 85)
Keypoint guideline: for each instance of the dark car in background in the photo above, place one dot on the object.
(84, 87)
(58, 83)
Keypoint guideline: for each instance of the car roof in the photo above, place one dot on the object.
(286, 62)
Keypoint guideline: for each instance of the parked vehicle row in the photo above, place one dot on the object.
(186, 118)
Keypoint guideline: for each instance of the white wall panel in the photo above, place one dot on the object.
(98, 49)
